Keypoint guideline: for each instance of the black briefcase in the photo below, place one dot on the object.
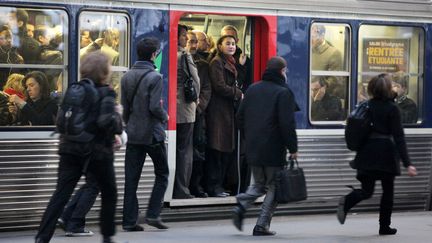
(290, 183)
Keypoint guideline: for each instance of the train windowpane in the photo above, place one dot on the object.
(107, 32)
(32, 41)
(330, 72)
(398, 51)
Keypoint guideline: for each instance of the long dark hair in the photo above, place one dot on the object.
(380, 87)
(42, 80)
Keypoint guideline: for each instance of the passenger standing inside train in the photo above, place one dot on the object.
(407, 106)
(145, 120)
(197, 46)
(96, 156)
(220, 115)
(266, 118)
(324, 105)
(185, 117)
(244, 79)
(379, 159)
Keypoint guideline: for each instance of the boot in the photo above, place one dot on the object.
(386, 230)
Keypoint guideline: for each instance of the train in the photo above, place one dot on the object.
(370, 37)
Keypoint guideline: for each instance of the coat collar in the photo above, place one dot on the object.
(144, 64)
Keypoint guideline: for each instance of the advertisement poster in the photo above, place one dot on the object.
(385, 55)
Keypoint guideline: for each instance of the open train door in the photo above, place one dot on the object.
(257, 38)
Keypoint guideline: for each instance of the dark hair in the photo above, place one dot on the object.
(276, 63)
(22, 15)
(380, 87)
(180, 27)
(42, 80)
(95, 66)
(221, 39)
(93, 33)
(146, 47)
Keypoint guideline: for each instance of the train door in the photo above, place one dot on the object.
(255, 38)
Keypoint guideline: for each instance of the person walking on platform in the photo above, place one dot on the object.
(266, 119)
(141, 97)
(95, 156)
(379, 158)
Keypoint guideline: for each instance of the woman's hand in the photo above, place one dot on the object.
(242, 59)
(412, 171)
(17, 100)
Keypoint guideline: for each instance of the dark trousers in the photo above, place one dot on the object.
(134, 162)
(69, 172)
(184, 160)
(366, 191)
(77, 208)
(199, 146)
(216, 165)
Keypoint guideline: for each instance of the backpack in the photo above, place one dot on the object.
(76, 118)
(358, 127)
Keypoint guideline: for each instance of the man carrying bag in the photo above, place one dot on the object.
(266, 119)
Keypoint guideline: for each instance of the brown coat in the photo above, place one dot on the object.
(220, 111)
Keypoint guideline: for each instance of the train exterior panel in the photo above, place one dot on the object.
(28, 155)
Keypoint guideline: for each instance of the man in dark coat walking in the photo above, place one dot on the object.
(266, 118)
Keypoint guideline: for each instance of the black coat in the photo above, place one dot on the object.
(383, 155)
(266, 118)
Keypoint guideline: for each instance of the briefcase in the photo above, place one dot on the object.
(290, 183)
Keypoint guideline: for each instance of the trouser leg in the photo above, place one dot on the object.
(84, 202)
(134, 161)
(184, 157)
(158, 154)
(386, 205)
(69, 172)
(357, 195)
(254, 191)
(269, 205)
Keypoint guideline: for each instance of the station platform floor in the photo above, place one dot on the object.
(413, 227)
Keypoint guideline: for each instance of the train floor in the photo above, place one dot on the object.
(323, 228)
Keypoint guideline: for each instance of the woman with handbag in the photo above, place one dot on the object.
(220, 114)
(379, 157)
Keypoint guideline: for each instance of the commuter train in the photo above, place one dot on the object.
(368, 37)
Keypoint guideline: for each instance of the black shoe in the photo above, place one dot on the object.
(133, 228)
(341, 214)
(261, 231)
(201, 195)
(238, 216)
(107, 239)
(386, 230)
(157, 223)
(61, 224)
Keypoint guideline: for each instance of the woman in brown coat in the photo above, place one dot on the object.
(220, 114)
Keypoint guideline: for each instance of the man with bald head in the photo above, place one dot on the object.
(266, 119)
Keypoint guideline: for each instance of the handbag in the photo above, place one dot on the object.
(189, 89)
(290, 183)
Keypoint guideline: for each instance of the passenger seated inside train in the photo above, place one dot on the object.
(407, 106)
(324, 106)
(13, 86)
(37, 108)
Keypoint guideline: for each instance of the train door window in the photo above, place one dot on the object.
(330, 72)
(107, 32)
(398, 51)
(33, 64)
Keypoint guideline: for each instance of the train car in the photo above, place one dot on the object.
(364, 37)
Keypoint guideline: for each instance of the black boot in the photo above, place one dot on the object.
(238, 216)
(261, 231)
(386, 230)
(341, 213)
(107, 239)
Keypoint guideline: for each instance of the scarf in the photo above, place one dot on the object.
(231, 64)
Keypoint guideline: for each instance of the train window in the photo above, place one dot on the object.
(330, 72)
(33, 42)
(107, 32)
(398, 51)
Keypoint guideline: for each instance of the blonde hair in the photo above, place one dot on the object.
(14, 82)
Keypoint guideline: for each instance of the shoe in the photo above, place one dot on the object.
(84, 232)
(386, 230)
(261, 231)
(238, 216)
(133, 228)
(201, 195)
(341, 214)
(107, 239)
(157, 223)
(61, 224)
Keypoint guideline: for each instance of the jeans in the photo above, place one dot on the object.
(134, 162)
(76, 210)
(264, 184)
(366, 191)
(69, 173)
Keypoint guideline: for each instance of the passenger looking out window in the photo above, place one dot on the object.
(406, 105)
(325, 106)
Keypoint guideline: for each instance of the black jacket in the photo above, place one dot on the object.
(39, 113)
(329, 108)
(266, 118)
(383, 155)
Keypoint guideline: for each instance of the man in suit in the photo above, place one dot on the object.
(266, 118)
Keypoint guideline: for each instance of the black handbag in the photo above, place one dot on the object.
(290, 183)
(189, 89)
